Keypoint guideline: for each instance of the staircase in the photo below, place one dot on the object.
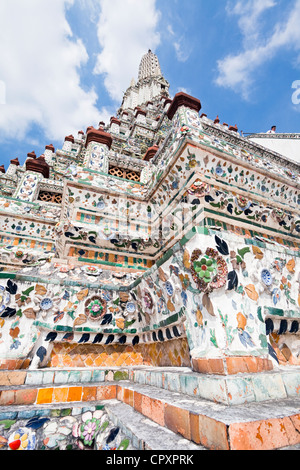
(170, 408)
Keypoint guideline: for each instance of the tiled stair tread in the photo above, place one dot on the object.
(59, 385)
(190, 372)
(85, 373)
(148, 434)
(218, 411)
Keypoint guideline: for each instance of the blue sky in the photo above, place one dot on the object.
(64, 64)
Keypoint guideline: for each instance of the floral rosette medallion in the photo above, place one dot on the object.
(209, 270)
(199, 189)
(95, 308)
(88, 431)
(242, 203)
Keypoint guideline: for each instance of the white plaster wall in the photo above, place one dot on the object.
(287, 147)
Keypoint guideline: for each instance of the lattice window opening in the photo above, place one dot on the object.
(49, 196)
(124, 173)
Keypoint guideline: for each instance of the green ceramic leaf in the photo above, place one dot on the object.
(7, 423)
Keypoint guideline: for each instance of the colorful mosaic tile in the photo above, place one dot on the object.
(173, 353)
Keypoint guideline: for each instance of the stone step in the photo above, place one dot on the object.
(254, 426)
(144, 433)
(229, 390)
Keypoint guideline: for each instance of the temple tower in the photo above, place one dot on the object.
(151, 84)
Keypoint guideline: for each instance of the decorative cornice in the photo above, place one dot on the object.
(114, 120)
(274, 136)
(140, 111)
(129, 163)
(94, 135)
(31, 155)
(150, 153)
(182, 99)
(38, 165)
(246, 144)
(69, 138)
(15, 161)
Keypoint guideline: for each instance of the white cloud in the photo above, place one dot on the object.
(40, 64)
(184, 90)
(182, 50)
(236, 71)
(249, 13)
(126, 30)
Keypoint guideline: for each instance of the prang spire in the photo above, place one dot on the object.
(149, 66)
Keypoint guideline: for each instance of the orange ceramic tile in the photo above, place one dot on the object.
(178, 420)
(129, 397)
(120, 393)
(172, 353)
(216, 366)
(89, 361)
(296, 422)
(25, 396)
(89, 393)
(60, 394)
(119, 361)
(208, 366)
(12, 377)
(75, 394)
(258, 435)
(146, 406)
(55, 361)
(7, 397)
(246, 364)
(44, 396)
(291, 425)
(98, 361)
(137, 401)
(11, 364)
(213, 434)
(194, 427)
(106, 392)
(67, 361)
(157, 412)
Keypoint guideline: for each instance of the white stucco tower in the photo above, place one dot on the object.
(151, 84)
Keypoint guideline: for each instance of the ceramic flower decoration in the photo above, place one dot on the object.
(95, 308)
(45, 304)
(209, 270)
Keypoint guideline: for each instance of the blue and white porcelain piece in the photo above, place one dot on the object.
(130, 307)
(169, 288)
(266, 277)
(46, 304)
(219, 171)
